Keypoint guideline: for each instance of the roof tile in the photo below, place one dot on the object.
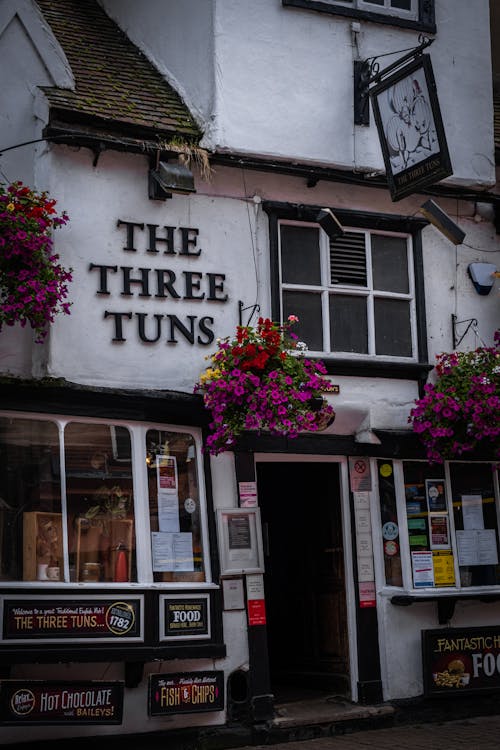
(115, 82)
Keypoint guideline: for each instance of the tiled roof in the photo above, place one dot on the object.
(116, 85)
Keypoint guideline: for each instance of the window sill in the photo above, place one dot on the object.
(377, 368)
(445, 600)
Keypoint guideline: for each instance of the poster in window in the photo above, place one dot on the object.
(472, 511)
(435, 494)
(477, 547)
(439, 531)
(172, 552)
(166, 472)
(410, 128)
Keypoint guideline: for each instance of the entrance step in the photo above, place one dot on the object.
(333, 712)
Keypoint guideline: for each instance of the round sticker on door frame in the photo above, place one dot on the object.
(390, 531)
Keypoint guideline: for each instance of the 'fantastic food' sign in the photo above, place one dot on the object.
(461, 661)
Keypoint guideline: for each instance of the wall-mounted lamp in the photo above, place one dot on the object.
(482, 275)
(442, 221)
(329, 222)
(168, 178)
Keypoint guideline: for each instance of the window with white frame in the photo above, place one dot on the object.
(71, 494)
(411, 13)
(354, 296)
(448, 519)
(402, 8)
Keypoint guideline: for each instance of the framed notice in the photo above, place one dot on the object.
(184, 616)
(410, 128)
(240, 541)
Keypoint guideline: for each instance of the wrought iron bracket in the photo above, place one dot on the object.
(454, 323)
(242, 309)
(367, 72)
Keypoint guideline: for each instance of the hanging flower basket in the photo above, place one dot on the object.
(461, 411)
(33, 285)
(261, 380)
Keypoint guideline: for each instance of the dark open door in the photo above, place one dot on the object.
(304, 579)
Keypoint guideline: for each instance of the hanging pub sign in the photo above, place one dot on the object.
(461, 661)
(410, 128)
(186, 693)
(47, 702)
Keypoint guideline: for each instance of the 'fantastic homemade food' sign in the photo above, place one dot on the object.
(461, 661)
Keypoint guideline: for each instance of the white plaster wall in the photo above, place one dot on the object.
(178, 39)
(273, 81)
(401, 657)
(32, 58)
(81, 347)
(233, 235)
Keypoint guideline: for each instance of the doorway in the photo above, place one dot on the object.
(304, 581)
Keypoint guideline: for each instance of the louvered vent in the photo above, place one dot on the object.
(348, 259)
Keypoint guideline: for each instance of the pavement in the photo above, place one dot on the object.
(480, 733)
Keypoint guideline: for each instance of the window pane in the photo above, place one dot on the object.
(348, 324)
(475, 513)
(429, 533)
(30, 491)
(374, 2)
(174, 506)
(300, 261)
(307, 307)
(101, 536)
(390, 264)
(392, 327)
(401, 4)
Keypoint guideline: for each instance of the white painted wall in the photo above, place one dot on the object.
(281, 80)
(177, 37)
(233, 237)
(31, 57)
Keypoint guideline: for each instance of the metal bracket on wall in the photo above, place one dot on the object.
(368, 71)
(454, 323)
(242, 309)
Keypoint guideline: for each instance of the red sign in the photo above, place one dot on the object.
(256, 612)
(367, 594)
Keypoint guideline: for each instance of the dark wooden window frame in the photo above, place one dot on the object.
(426, 16)
(377, 368)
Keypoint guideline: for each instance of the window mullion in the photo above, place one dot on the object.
(451, 523)
(141, 506)
(370, 312)
(64, 503)
(324, 254)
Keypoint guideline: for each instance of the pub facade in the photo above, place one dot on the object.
(146, 585)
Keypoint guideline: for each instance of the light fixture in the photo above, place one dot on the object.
(168, 178)
(482, 276)
(329, 222)
(442, 221)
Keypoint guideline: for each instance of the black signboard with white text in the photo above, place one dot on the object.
(410, 128)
